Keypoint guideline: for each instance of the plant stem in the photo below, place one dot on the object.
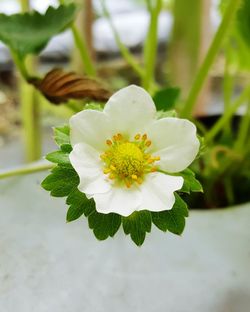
(123, 49)
(29, 105)
(20, 64)
(219, 125)
(30, 121)
(81, 44)
(243, 134)
(150, 47)
(84, 53)
(25, 170)
(209, 59)
(228, 84)
(25, 5)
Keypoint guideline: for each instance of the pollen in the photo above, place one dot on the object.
(127, 161)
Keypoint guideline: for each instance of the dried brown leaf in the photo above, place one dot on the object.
(58, 87)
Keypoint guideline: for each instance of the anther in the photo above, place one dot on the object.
(106, 170)
(150, 160)
(103, 156)
(157, 158)
(139, 180)
(112, 167)
(134, 177)
(128, 184)
(119, 136)
(109, 142)
(111, 176)
(144, 137)
(137, 137)
(148, 143)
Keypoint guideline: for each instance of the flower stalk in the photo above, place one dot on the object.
(219, 125)
(210, 57)
(123, 49)
(28, 169)
(150, 47)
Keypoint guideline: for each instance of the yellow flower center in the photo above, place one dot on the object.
(128, 161)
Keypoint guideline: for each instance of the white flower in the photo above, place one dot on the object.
(119, 153)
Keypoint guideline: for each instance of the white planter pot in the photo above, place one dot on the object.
(47, 265)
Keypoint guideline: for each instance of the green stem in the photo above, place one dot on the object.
(243, 134)
(20, 64)
(29, 105)
(219, 125)
(84, 53)
(30, 121)
(25, 5)
(81, 44)
(209, 59)
(228, 84)
(150, 47)
(25, 170)
(123, 49)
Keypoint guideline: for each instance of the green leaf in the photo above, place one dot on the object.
(165, 99)
(172, 220)
(61, 181)
(243, 21)
(164, 114)
(61, 135)
(137, 225)
(191, 184)
(59, 157)
(29, 33)
(79, 205)
(104, 225)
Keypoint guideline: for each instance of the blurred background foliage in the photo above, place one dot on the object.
(192, 56)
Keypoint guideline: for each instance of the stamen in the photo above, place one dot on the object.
(112, 167)
(137, 137)
(111, 176)
(127, 162)
(134, 177)
(128, 184)
(106, 170)
(119, 136)
(103, 156)
(151, 160)
(139, 180)
(157, 158)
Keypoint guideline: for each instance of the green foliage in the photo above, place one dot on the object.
(63, 182)
(172, 220)
(29, 33)
(78, 205)
(243, 21)
(59, 157)
(165, 99)
(61, 135)
(104, 225)
(137, 225)
(191, 184)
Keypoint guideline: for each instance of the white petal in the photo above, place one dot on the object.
(158, 191)
(90, 127)
(175, 141)
(87, 163)
(130, 110)
(121, 200)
